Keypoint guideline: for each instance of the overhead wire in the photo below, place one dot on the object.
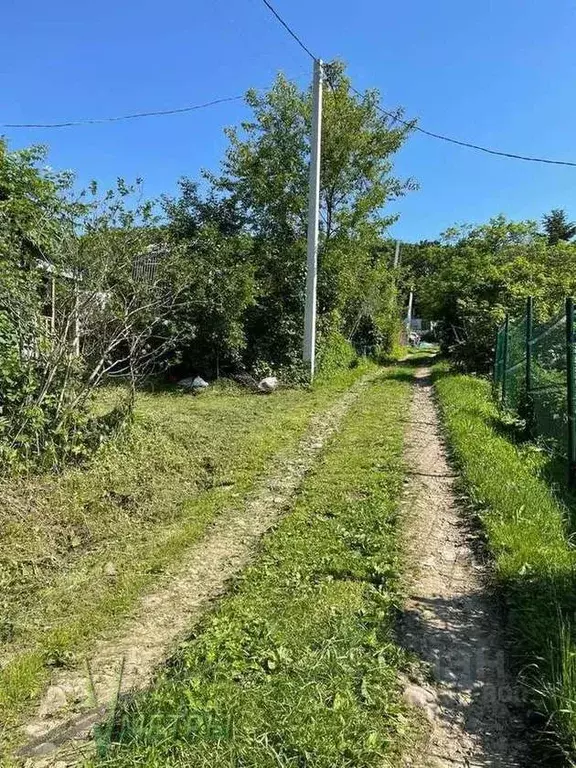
(134, 116)
(289, 29)
(413, 124)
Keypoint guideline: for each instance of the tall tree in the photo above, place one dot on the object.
(265, 174)
(557, 227)
(473, 276)
(218, 288)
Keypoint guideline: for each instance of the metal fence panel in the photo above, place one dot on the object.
(548, 385)
(534, 376)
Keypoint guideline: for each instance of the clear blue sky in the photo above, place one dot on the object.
(496, 72)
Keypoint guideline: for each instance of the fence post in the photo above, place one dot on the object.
(529, 324)
(529, 328)
(496, 372)
(505, 358)
(570, 391)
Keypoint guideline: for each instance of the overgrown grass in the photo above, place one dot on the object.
(298, 666)
(77, 549)
(526, 530)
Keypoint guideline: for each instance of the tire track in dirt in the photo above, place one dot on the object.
(59, 733)
(450, 620)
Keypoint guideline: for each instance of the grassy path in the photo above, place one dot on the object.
(528, 533)
(164, 615)
(451, 620)
(77, 550)
(299, 664)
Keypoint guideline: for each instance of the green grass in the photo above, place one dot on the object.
(415, 353)
(298, 666)
(140, 503)
(526, 528)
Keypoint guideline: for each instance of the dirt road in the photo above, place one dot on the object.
(450, 620)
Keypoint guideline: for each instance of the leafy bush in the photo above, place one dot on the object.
(473, 276)
(334, 350)
(72, 310)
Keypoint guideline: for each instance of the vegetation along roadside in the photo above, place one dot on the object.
(529, 535)
(78, 548)
(298, 665)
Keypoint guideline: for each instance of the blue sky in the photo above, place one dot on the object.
(497, 72)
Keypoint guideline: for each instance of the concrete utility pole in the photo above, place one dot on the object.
(397, 255)
(409, 317)
(313, 221)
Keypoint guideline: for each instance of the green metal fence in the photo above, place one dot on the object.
(534, 375)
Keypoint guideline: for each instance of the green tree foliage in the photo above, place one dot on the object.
(68, 275)
(256, 210)
(472, 276)
(215, 251)
(36, 225)
(557, 227)
(35, 213)
(99, 285)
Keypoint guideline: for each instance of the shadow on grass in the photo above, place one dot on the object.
(400, 374)
(420, 361)
(554, 472)
(158, 386)
(553, 467)
(403, 370)
(155, 385)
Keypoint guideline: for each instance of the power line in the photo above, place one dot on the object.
(408, 123)
(135, 116)
(493, 151)
(412, 124)
(290, 30)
